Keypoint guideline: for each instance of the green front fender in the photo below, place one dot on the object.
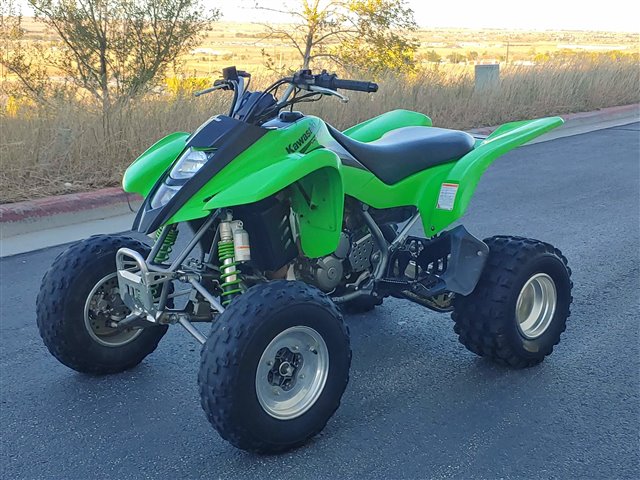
(316, 193)
(145, 171)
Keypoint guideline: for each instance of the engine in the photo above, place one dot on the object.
(353, 256)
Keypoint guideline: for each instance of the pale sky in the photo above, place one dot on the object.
(609, 15)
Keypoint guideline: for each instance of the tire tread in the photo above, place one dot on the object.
(479, 317)
(51, 317)
(221, 355)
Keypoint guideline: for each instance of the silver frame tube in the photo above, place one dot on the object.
(404, 233)
(187, 250)
(193, 331)
(210, 298)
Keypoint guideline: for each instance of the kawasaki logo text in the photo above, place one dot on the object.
(293, 147)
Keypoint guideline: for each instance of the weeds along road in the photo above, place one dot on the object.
(418, 404)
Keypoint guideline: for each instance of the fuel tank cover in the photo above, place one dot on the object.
(290, 117)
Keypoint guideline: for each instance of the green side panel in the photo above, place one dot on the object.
(145, 171)
(316, 193)
(420, 190)
(375, 127)
(423, 188)
(318, 202)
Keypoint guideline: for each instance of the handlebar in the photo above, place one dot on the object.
(266, 104)
(305, 79)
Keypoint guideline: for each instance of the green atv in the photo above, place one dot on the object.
(291, 223)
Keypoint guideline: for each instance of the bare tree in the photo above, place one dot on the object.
(113, 49)
(372, 34)
(10, 30)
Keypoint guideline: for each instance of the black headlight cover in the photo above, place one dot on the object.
(230, 137)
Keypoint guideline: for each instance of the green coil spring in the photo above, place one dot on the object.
(167, 245)
(230, 288)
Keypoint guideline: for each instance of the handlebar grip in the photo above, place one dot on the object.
(356, 85)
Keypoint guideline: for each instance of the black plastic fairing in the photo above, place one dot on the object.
(212, 132)
(229, 137)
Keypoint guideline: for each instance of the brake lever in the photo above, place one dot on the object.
(224, 86)
(328, 91)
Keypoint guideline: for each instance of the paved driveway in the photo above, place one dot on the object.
(418, 405)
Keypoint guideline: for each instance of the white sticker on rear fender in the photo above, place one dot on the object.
(447, 197)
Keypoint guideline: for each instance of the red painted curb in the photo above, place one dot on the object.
(74, 202)
(603, 114)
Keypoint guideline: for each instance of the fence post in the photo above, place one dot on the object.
(487, 76)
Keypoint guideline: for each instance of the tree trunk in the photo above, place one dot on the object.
(308, 44)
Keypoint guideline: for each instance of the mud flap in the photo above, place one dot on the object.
(468, 256)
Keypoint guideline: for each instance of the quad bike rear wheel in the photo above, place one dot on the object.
(519, 308)
(79, 300)
(274, 367)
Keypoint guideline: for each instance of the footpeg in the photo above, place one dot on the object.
(452, 262)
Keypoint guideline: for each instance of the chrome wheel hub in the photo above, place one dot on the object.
(292, 372)
(103, 308)
(536, 305)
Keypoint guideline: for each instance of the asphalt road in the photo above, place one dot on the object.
(418, 404)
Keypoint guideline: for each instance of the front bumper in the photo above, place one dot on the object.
(140, 288)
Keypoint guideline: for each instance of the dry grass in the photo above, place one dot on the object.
(66, 149)
(524, 92)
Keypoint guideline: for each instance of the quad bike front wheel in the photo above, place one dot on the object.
(274, 367)
(78, 302)
(520, 307)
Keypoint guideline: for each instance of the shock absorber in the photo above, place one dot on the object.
(167, 245)
(233, 248)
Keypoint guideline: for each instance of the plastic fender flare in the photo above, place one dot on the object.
(144, 172)
(375, 127)
(467, 171)
(316, 193)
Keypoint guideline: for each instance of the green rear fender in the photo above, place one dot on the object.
(315, 189)
(442, 193)
(145, 171)
(467, 171)
(376, 127)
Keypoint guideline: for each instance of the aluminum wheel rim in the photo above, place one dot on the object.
(308, 377)
(94, 318)
(536, 305)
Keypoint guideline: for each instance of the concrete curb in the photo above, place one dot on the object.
(49, 212)
(111, 210)
(598, 119)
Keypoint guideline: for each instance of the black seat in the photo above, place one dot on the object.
(407, 150)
